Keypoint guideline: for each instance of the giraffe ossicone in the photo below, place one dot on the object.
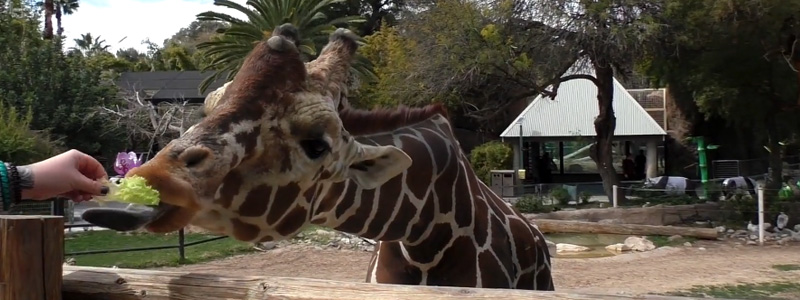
(276, 152)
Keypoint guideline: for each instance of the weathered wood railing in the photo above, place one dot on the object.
(31, 251)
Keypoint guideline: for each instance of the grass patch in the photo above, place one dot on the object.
(786, 268)
(107, 239)
(761, 291)
(661, 241)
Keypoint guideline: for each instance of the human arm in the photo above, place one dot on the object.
(72, 174)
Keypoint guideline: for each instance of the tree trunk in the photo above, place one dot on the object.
(48, 19)
(60, 29)
(604, 126)
(775, 162)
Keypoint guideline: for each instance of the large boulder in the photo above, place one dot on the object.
(640, 244)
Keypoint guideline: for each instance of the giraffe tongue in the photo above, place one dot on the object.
(122, 219)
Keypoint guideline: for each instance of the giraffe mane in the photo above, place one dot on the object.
(364, 122)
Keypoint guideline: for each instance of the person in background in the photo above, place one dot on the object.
(72, 174)
(641, 162)
(628, 167)
(546, 168)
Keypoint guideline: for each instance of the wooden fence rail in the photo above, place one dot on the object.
(31, 251)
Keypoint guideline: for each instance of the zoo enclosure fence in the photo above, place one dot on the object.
(181, 246)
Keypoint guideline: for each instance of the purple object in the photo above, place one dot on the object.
(125, 162)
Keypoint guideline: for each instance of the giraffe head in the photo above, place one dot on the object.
(252, 166)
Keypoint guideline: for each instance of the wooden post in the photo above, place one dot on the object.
(89, 283)
(31, 257)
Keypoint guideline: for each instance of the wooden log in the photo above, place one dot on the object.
(563, 226)
(31, 255)
(658, 215)
(89, 283)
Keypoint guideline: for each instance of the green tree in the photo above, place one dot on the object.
(494, 155)
(61, 90)
(88, 45)
(227, 51)
(18, 143)
(377, 13)
(607, 37)
(464, 54)
(737, 61)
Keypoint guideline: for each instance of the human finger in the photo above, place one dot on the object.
(90, 167)
(85, 185)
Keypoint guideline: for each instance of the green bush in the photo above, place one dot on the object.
(584, 198)
(560, 195)
(529, 204)
(19, 144)
(494, 155)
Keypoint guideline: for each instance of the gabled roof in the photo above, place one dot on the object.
(169, 85)
(572, 113)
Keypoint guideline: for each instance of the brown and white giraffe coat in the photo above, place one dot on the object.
(273, 155)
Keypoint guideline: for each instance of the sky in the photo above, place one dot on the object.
(126, 23)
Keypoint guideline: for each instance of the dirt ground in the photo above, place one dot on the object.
(661, 270)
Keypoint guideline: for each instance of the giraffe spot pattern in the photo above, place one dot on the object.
(231, 185)
(293, 221)
(256, 202)
(284, 198)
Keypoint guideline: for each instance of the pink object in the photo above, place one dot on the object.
(125, 162)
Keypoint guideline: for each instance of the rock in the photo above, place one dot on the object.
(674, 238)
(265, 246)
(551, 247)
(731, 231)
(701, 249)
(687, 244)
(797, 228)
(619, 247)
(571, 248)
(753, 237)
(721, 229)
(324, 233)
(639, 243)
(752, 243)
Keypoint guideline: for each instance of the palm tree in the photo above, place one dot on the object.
(89, 46)
(59, 8)
(228, 50)
(64, 7)
(47, 5)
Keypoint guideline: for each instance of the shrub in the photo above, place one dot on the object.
(493, 155)
(529, 204)
(560, 195)
(19, 144)
(584, 198)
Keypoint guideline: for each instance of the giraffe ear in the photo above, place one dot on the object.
(378, 164)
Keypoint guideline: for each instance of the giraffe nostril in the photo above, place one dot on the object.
(193, 156)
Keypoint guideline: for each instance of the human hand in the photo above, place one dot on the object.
(73, 174)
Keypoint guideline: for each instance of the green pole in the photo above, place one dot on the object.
(701, 152)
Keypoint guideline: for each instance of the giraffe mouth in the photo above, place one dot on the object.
(121, 219)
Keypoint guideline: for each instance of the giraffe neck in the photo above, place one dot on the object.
(405, 208)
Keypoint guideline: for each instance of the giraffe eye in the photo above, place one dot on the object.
(315, 148)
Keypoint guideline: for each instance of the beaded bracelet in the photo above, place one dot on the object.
(5, 186)
(16, 185)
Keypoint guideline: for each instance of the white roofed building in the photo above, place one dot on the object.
(564, 128)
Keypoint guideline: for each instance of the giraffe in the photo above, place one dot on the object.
(274, 154)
